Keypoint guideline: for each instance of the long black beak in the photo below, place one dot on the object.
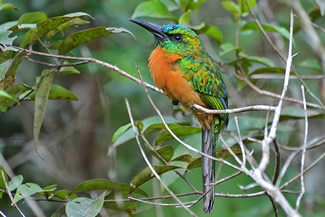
(155, 29)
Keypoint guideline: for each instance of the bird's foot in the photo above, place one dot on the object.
(192, 107)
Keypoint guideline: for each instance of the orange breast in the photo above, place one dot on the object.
(169, 77)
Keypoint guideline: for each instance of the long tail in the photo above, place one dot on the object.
(209, 139)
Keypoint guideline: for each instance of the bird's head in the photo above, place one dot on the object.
(177, 39)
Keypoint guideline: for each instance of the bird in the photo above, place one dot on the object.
(182, 68)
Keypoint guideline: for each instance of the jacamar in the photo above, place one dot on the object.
(182, 68)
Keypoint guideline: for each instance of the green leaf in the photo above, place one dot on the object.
(2, 184)
(267, 27)
(155, 9)
(7, 6)
(47, 25)
(195, 4)
(15, 182)
(76, 39)
(26, 190)
(243, 6)
(120, 131)
(179, 131)
(227, 48)
(43, 86)
(223, 153)
(170, 4)
(8, 70)
(6, 95)
(85, 207)
(60, 93)
(183, 158)
(63, 195)
(4, 36)
(273, 70)
(312, 64)
(68, 71)
(79, 14)
(166, 152)
(185, 18)
(147, 125)
(32, 17)
(66, 26)
(104, 184)
(262, 60)
(128, 207)
(146, 175)
(214, 32)
(231, 7)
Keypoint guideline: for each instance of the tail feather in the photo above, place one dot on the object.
(208, 169)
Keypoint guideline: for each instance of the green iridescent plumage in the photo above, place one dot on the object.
(197, 66)
(184, 52)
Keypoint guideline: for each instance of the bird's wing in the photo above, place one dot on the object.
(206, 79)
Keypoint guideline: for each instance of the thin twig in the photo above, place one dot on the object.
(303, 151)
(9, 194)
(149, 164)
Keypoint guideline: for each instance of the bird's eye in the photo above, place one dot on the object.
(178, 38)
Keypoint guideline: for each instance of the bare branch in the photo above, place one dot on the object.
(303, 151)
(9, 194)
(149, 164)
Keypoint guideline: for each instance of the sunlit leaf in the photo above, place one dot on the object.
(66, 26)
(32, 17)
(47, 25)
(185, 18)
(26, 190)
(170, 4)
(43, 87)
(76, 39)
(154, 9)
(227, 48)
(146, 175)
(214, 32)
(68, 71)
(119, 132)
(85, 207)
(63, 195)
(178, 131)
(243, 6)
(231, 7)
(7, 6)
(267, 27)
(104, 184)
(15, 182)
(195, 4)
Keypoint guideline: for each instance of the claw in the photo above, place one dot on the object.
(192, 107)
